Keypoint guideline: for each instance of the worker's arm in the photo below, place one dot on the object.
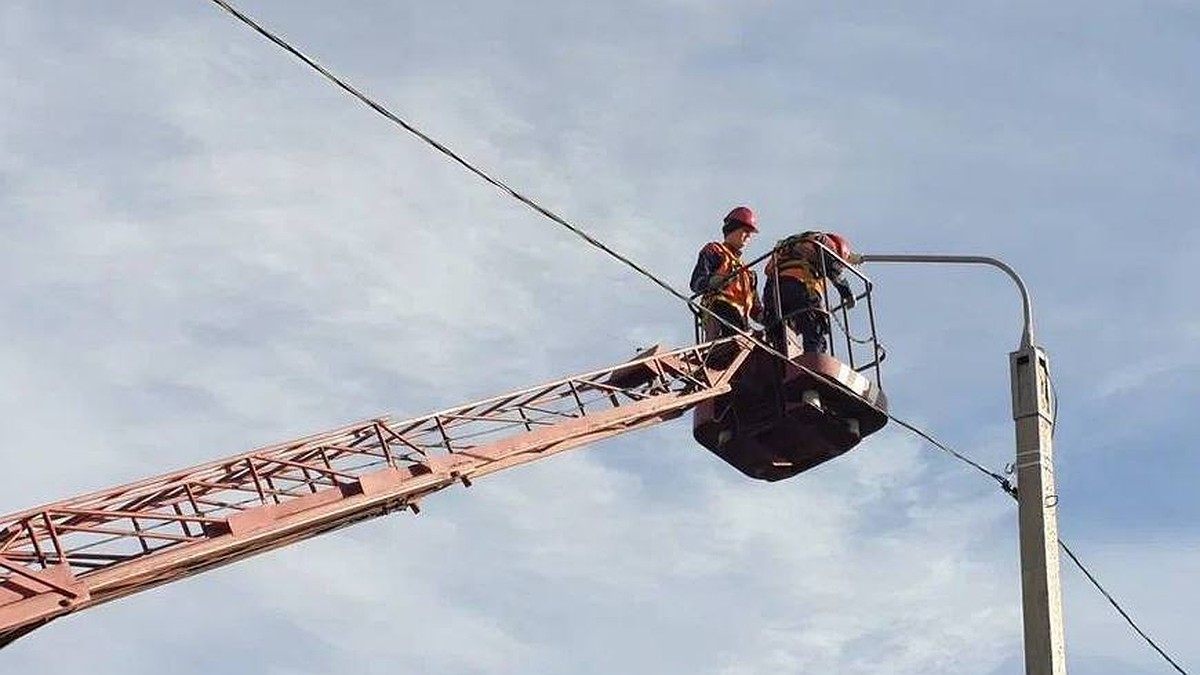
(845, 292)
(835, 270)
(704, 275)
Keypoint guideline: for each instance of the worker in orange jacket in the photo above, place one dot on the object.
(795, 290)
(729, 288)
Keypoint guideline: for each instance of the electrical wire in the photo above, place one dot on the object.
(1053, 406)
(337, 81)
(1003, 482)
(388, 114)
(1118, 607)
(844, 327)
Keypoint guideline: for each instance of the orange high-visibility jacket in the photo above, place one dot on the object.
(741, 289)
(798, 258)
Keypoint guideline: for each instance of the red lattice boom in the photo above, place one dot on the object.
(70, 555)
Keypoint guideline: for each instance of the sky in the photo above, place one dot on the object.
(205, 247)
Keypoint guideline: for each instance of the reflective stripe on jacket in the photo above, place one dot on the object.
(741, 289)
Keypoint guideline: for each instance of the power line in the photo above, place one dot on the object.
(1003, 482)
(377, 107)
(1117, 606)
(382, 110)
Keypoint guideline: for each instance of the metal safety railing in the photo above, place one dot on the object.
(857, 341)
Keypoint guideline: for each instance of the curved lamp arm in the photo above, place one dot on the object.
(1026, 333)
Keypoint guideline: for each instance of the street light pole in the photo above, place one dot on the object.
(1037, 502)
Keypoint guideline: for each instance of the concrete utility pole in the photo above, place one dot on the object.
(1037, 502)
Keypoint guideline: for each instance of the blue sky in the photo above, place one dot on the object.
(207, 248)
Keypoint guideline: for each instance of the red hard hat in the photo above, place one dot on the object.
(743, 216)
(839, 244)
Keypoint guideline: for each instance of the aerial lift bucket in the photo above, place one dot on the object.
(784, 416)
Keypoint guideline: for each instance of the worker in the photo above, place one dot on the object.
(795, 288)
(728, 287)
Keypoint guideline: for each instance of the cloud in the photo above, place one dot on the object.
(206, 248)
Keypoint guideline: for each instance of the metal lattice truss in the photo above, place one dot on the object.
(70, 555)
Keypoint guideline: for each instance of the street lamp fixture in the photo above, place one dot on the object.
(1037, 501)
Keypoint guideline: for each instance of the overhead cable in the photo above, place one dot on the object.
(1003, 482)
(377, 107)
(1117, 606)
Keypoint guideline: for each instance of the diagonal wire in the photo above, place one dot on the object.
(443, 149)
(1117, 606)
(379, 108)
(1003, 482)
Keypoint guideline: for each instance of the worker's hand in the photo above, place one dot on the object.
(716, 281)
(847, 297)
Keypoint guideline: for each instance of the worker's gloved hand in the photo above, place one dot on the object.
(716, 281)
(847, 298)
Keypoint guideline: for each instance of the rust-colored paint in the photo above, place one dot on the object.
(77, 553)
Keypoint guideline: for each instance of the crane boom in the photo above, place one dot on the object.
(74, 554)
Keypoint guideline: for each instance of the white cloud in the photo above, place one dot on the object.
(206, 248)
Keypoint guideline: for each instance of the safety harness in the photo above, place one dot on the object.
(798, 258)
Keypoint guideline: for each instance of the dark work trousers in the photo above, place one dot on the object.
(803, 310)
(714, 329)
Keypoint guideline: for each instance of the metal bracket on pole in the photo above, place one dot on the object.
(1037, 501)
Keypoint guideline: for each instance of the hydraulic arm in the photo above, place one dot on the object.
(77, 553)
